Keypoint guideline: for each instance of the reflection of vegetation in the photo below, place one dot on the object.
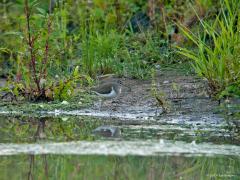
(23, 129)
(186, 134)
(112, 167)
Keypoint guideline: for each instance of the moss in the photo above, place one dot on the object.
(77, 102)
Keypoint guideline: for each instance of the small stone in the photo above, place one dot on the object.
(157, 66)
(64, 102)
(41, 106)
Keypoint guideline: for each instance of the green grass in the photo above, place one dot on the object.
(219, 60)
(90, 37)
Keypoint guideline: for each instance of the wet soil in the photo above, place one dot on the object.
(3, 82)
(186, 94)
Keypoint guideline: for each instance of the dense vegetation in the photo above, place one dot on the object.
(48, 47)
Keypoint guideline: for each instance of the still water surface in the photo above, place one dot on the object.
(67, 147)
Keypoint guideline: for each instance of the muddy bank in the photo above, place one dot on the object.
(185, 94)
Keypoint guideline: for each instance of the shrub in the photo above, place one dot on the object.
(219, 61)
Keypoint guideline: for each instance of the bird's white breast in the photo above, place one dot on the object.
(112, 94)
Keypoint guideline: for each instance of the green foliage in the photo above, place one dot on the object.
(83, 34)
(219, 62)
(231, 91)
(63, 91)
(140, 52)
(94, 37)
(42, 54)
(98, 52)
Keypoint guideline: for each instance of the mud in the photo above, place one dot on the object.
(186, 95)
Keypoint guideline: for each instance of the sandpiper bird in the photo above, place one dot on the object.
(109, 89)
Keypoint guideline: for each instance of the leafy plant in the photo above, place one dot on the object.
(38, 55)
(218, 62)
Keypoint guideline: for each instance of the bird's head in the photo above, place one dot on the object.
(120, 82)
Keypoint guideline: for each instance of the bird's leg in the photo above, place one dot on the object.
(101, 103)
(156, 111)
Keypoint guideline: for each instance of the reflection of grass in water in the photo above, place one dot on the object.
(113, 167)
(29, 129)
(186, 135)
(22, 129)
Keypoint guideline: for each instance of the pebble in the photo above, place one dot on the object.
(64, 102)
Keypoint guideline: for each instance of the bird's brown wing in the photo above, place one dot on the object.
(103, 89)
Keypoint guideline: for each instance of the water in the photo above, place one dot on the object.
(115, 167)
(63, 146)
(122, 148)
